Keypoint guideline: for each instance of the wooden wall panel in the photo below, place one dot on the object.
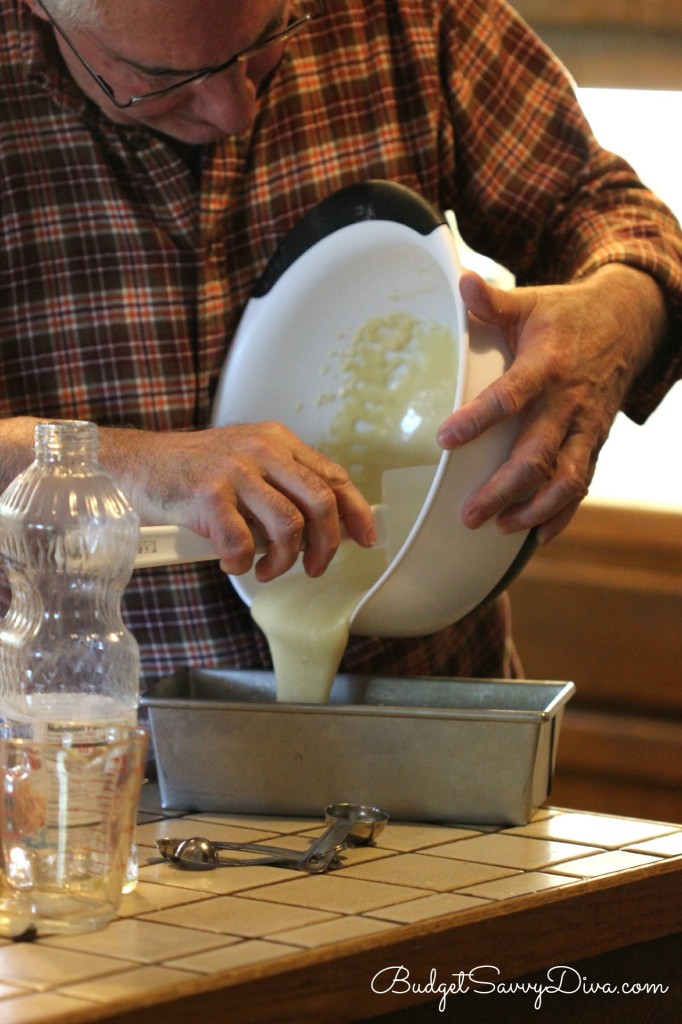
(633, 13)
(626, 44)
(602, 606)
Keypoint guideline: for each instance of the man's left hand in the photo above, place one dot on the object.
(577, 348)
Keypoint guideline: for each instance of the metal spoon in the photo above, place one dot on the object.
(321, 853)
(348, 825)
(168, 847)
(199, 854)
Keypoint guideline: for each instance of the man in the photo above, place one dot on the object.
(154, 154)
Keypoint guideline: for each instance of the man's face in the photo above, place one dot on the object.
(142, 45)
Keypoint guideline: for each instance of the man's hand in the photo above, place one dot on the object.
(221, 482)
(577, 348)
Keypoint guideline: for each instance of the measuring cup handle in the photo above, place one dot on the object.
(171, 545)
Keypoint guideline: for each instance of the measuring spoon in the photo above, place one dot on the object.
(199, 854)
(366, 822)
(169, 845)
(347, 824)
(320, 853)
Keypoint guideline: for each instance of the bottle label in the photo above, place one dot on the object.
(84, 718)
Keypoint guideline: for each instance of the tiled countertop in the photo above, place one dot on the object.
(275, 944)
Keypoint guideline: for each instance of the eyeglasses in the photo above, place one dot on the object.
(313, 10)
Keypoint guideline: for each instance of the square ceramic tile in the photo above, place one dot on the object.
(510, 851)
(8, 991)
(517, 885)
(178, 923)
(354, 854)
(664, 846)
(427, 907)
(339, 929)
(543, 812)
(40, 967)
(335, 892)
(234, 915)
(220, 881)
(240, 955)
(290, 841)
(147, 896)
(603, 864)
(437, 874)
(126, 985)
(271, 825)
(408, 836)
(142, 941)
(143, 817)
(183, 828)
(44, 1005)
(593, 830)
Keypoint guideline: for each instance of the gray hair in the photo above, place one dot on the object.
(74, 12)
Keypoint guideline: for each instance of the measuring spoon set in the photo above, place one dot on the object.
(347, 825)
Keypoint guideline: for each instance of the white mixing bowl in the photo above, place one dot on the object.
(364, 253)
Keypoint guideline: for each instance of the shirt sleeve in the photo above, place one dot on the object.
(535, 191)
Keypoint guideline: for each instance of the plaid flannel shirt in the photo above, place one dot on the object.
(124, 269)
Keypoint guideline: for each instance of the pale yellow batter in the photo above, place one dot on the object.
(307, 621)
(394, 386)
(392, 389)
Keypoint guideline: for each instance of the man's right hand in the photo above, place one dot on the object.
(222, 482)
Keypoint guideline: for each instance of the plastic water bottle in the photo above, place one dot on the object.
(68, 540)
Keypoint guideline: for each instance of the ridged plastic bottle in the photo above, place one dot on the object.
(68, 540)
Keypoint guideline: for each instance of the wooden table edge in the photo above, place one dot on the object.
(333, 983)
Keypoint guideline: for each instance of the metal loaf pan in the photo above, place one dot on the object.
(425, 749)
